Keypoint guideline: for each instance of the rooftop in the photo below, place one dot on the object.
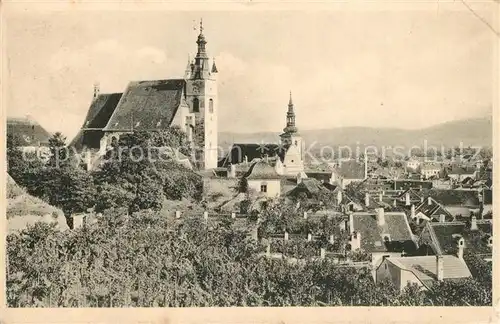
(372, 235)
(424, 267)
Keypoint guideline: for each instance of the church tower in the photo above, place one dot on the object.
(292, 141)
(201, 96)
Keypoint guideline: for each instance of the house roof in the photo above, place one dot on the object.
(101, 110)
(410, 183)
(430, 166)
(475, 241)
(396, 225)
(434, 210)
(251, 151)
(425, 268)
(262, 170)
(351, 169)
(460, 170)
(488, 197)
(27, 131)
(310, 186)
(148, 105)
(97, 117)
(466, 198)
(319, 175)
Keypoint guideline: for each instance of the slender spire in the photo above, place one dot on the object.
(290, 118)
(201, 26)
(214, 67)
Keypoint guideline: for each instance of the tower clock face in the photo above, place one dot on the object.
(197, 87)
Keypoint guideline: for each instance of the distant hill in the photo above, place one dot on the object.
(470, 132)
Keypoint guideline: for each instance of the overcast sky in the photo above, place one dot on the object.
(405, 69)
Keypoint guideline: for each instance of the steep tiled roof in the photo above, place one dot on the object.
(396, 225)
(351, 169)
(309, 186)
(262, 170)
(101, 110)
(97, 117)
(251, 151)
(319, 175)
(425, 269)
(475, 241)
(148, 105)
(434, 210)
(466, 198)
(27, 131)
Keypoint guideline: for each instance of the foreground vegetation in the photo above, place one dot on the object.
(135, 257)
(146, 261)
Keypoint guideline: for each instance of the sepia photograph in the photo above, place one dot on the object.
(249, 158)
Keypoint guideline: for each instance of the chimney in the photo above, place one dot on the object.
(355, 241)
(367, 199)
(412, 211)
(305, 215)
(322, 253)
(380, 197)
(394, 203)
(309, 237)
(439, 267)
(205, 215)
(460, 251)
(407, 199)
(286, 236)
(422, 199)
(332, 239)
(177, 214)
(339, 197)
(429, 200)
(442, 218)
(246, 159)
(473, 223)
(380, 217)
(232, 171)
(268, 250)
(97, 90)
(233, 215)
(366, 166)
(266, 158)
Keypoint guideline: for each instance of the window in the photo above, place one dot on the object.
(211, 106)
(263, 188)
(196, 105)
(296, 143)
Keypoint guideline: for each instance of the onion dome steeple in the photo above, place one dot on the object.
(201, 65)
(290, 118)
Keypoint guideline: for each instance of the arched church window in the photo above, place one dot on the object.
(211, 106)
(196, 105)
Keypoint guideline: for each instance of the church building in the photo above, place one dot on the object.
(287, 157)
(189, 103)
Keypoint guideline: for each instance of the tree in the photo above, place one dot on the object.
(59, 154)
(21, 165)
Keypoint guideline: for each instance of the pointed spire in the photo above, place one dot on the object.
(214, 67)
(290, 103)
(201, 26)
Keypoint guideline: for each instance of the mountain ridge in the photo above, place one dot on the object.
(466, 132)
